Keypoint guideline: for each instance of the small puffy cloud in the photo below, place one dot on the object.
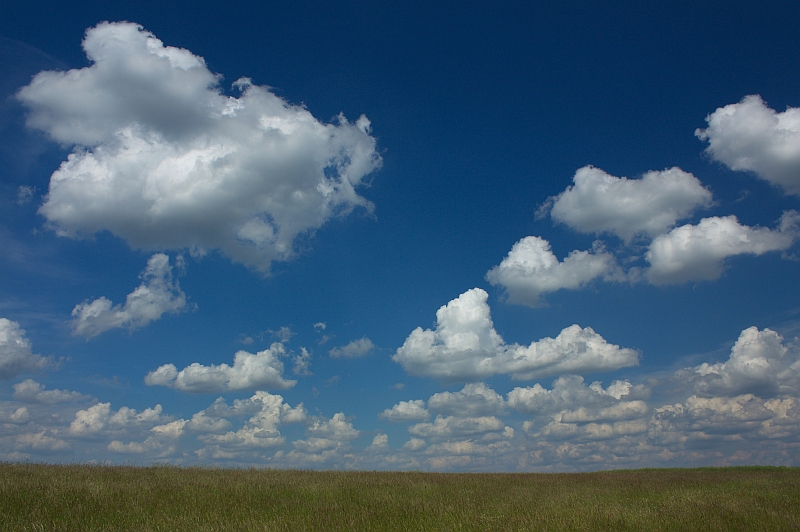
(92, 420)
(414, 444)
(161, 442)
(15, 352)
(708, 418)
(557, 431)
(697, 252)
(570, 394)
(202, 422)
(356, 348)
(599, 202)
(260, 404)
(406, 411)
(315, 445)
(284, 334)
(326, 440)
(260, 431)
(40, 441)
(531, 270)
(30, 391)
(337, 428)
(752, 137)
(475, 399)
(760, 363)
(619, 412)
(573, 411)
(249, 371)
(465, 346)
(157, 295)
(18, 416)
(245, 439)
(25, 194)
(452, 426)
(163, 159)
(99, 419)
(302, 361)
(380, 441)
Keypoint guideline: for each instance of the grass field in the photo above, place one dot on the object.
(81, 497)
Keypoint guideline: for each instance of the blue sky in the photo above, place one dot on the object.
(390, 235)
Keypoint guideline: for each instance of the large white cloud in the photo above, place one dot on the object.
(760, 363)
(164, 159)
(157, 294)
(465, 346)
(249, 371)
(16, 355)
(697, 252)
(531, 270)
(750, 136)
(599, 202)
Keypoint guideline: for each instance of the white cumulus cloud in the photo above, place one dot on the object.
(599, 202)
(531, 270)
(157, 295)
(465, 346)
(163, 159)
(571, 396)
(750, 136)
(406, 411)
(100, 419)
(260, 431)
(697, 252)
(713, 418)
(249, 371)
(30, 391)
(16, 355)
(337, 428)
(356, 348)
(452, 426)
(475, 399)
(760, 362)
(326, 440)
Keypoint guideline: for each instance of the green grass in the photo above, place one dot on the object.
(82, 497)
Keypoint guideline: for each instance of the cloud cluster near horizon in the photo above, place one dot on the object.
(165, 160)
(570, 424)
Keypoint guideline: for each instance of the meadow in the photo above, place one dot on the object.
(37, 497)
